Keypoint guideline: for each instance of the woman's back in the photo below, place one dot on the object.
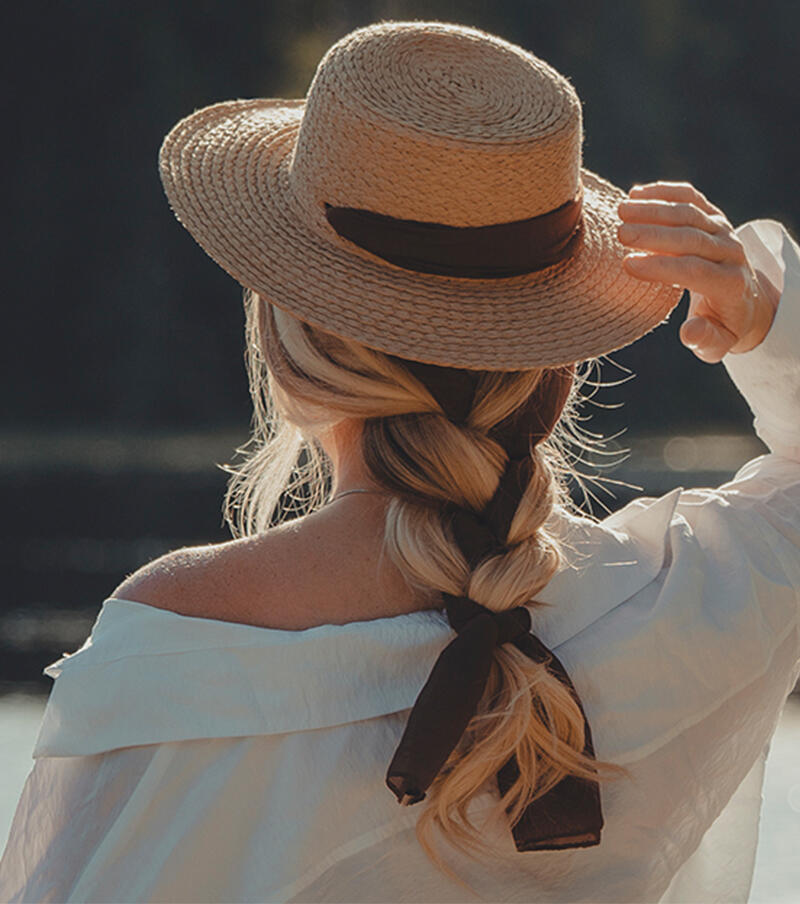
(257, 755)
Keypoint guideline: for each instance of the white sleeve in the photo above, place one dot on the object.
(69, 808)
(749, 528)
(768, 376)
(732, 552)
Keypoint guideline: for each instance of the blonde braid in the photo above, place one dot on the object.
(430, 464)
(525, 710)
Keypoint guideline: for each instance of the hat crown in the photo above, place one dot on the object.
(437, 122)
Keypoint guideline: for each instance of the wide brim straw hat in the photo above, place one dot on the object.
(421, 122)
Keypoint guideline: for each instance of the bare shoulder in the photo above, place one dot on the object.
(324, 568)
(239, 580)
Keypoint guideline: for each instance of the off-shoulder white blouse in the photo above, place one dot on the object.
(187, 759)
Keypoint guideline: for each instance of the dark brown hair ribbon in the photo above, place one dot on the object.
(569, 814)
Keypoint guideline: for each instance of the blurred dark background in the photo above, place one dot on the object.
(122, 351)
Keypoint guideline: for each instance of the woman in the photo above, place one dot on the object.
(569, 710)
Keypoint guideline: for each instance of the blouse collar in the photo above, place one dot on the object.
(148, 675)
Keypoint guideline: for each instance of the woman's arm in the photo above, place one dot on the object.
(744, 311)
(682, 239)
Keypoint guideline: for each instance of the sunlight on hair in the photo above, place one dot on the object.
(304, 380)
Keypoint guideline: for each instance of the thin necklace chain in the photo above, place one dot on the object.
(358, 490)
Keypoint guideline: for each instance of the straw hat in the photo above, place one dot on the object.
(418, 121)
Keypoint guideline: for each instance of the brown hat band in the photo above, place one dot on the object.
(478, 252)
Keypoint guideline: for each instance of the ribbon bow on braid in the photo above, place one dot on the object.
(569, 814)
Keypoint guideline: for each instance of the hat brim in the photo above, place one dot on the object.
(225, 170)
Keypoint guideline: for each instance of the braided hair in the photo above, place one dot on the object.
(444, 473)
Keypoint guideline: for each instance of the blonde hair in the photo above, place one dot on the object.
(303, 381)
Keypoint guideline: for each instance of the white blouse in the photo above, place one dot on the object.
(188, 759)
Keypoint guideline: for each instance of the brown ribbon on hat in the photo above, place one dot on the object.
(496, 251)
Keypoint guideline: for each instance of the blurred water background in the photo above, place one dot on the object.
(121, 353)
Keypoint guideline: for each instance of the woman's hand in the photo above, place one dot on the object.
(682, 239)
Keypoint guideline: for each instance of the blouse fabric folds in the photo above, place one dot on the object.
(188, 759)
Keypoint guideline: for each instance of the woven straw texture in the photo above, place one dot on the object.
(425, 121)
